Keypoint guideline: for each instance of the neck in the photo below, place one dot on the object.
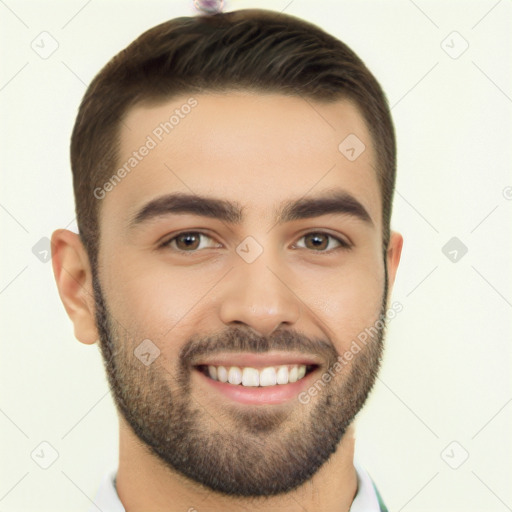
(144, 483)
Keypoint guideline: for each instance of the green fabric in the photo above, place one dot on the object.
(382, 506)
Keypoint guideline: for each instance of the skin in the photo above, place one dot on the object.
(259, 150)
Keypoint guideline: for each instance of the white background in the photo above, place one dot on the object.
(446, 373)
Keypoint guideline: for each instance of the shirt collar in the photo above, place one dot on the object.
(365, 500)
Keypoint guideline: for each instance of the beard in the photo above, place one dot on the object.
(244, 452)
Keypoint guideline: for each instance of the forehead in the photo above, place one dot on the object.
(252, 148)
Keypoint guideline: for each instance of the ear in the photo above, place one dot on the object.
(393, 257)
(73, 275)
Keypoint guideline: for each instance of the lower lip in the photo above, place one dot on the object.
(267, 395)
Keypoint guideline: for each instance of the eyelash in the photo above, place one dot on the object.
(343, 245)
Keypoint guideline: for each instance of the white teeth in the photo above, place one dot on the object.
(222, 374)
(293, 374)
(212, 371)
(268, 376)
(282, 375)
(235, 375)
(251, 377)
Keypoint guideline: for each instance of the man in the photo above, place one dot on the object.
(233, 178)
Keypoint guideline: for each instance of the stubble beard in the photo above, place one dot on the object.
(235, 452)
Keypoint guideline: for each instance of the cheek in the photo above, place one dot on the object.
(155, 299)
(347, 301)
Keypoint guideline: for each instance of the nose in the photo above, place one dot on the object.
(259, 297)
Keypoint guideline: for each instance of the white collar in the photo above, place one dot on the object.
(365, 500)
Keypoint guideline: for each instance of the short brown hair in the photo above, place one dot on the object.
(250, 49)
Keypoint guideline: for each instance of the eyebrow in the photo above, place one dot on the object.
(335, 202)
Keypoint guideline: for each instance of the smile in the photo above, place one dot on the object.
(257, 379)
(254, 377)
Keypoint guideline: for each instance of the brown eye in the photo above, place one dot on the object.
(316, 241)
(323, 242)
(188, 242)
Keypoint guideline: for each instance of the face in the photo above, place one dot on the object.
(242, 244)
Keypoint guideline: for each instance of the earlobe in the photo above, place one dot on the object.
(393, 256)
(73, 276)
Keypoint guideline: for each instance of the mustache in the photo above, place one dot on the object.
(237, 339)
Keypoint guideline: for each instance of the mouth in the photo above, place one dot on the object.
(255, 379)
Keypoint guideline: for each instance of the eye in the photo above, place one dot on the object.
(323, 242)
(189, 241)
(192, 241)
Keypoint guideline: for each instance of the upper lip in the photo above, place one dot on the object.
(258, 360)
